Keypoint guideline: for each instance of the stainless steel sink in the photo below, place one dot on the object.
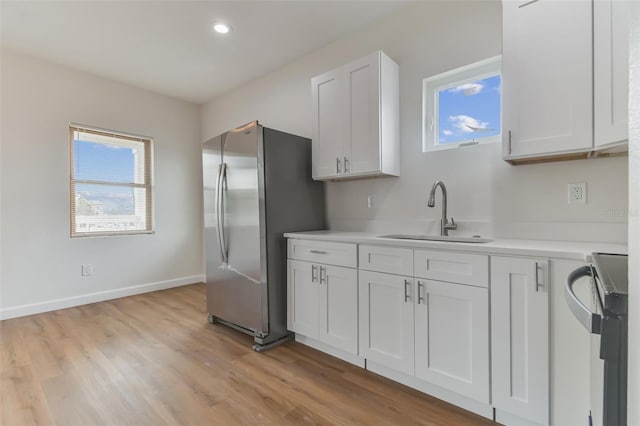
(449, 238)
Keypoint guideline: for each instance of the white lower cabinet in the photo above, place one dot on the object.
(322, 303)
(338, 302)
(452, 337)
(470, 329)
(520, 339)
(302, 298)
(386, 319)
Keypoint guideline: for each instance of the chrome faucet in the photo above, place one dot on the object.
(445, 225)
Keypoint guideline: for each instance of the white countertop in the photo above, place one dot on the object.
(577, 250)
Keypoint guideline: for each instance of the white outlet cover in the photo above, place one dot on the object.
(577, 193)
(86, 270)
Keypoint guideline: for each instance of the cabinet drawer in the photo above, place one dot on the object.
(472, 269)
(339, 254)
(391, 260)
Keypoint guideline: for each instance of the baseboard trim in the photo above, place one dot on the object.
(480, 408)
(100, 296)
(323, 347)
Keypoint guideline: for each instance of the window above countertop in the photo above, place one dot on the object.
(462, 106)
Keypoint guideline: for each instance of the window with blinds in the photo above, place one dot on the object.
(111, 182)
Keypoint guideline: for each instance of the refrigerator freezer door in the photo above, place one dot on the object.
(215, 277)
(242, 204)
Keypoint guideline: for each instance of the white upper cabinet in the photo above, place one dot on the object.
(327, 124)
(547, 77)
(355, 120)
(611, 70)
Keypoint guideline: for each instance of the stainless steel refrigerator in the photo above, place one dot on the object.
(257, 185)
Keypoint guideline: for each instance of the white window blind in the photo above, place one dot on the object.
(111, 182)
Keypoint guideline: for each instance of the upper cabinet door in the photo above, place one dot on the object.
(362, 98)
(611, 70)
(328, 125)
(355, 120)
(547, 77)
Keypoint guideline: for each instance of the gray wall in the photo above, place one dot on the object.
(40, 262)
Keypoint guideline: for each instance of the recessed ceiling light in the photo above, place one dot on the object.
(221, 28)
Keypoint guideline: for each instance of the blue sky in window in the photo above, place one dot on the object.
(469, 111)
(96, 161)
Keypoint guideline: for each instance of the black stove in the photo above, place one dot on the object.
(610, 276)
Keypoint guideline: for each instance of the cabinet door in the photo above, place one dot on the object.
(302, 298)
(386, 319)
(362, 98)
(520, 337)
(338, 325)
(611, 70)
(328, 125)
(546, 77)
(452, 337)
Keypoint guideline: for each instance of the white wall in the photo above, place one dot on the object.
(486, 195)
(634, 220)
(40, 262)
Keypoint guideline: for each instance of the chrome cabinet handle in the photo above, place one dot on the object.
(314, 275)
(509, 142)
(346, 165)
(338, 165)
(407, 289)
(420, 296)
(323, 275)
(538, 283)
(317, 251)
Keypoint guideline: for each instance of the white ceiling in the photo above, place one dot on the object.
(169, 46)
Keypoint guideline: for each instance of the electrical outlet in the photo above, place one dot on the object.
(371, 201)
(86, 270)
(578, 193)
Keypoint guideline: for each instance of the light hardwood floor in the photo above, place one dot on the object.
(153, 359)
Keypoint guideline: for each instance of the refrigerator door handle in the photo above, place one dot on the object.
(588, 319)
(222, 173)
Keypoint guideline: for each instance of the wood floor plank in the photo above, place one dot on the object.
(153, 359)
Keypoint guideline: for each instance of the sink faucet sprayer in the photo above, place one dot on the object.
(445, 225)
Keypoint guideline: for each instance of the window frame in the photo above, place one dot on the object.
(147, 174)
(431, 86)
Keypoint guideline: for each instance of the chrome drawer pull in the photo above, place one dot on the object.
(420, 296)
(407, 296)
(538, 283)
(318, 252)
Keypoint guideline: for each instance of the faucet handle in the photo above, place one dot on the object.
(452, 224)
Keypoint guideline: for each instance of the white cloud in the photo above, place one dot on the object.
(447, 132)
(468, 89)
(467, 124)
